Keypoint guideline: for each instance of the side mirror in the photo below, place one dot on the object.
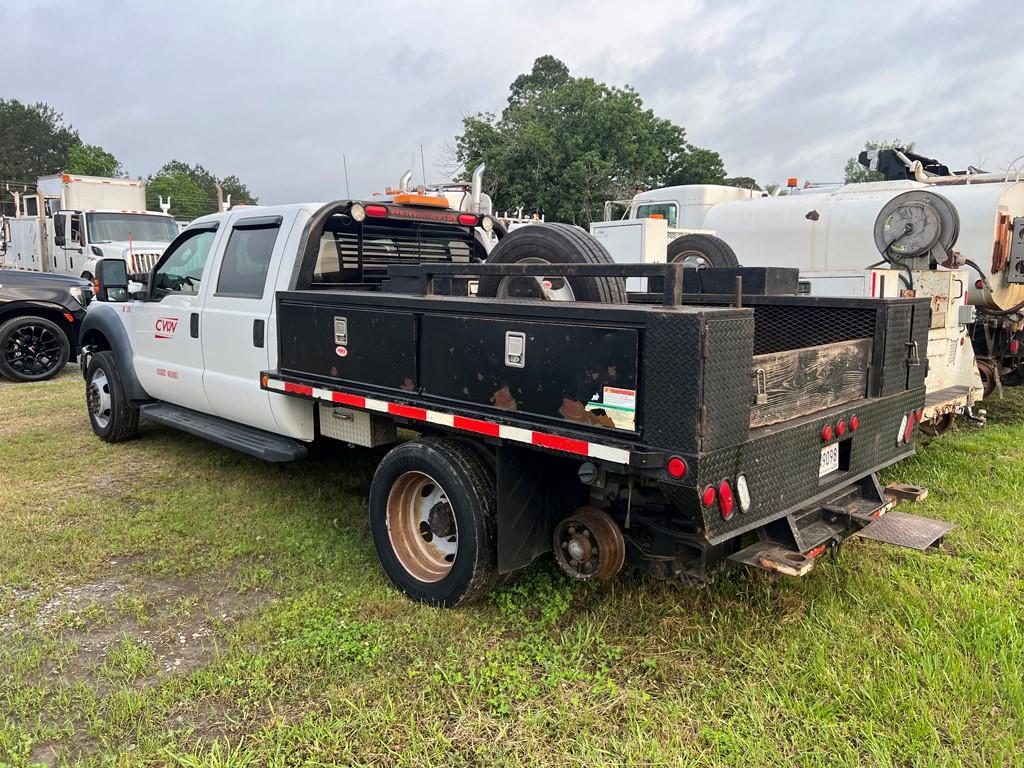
(81, 237)
(111, 283)
(58, 239)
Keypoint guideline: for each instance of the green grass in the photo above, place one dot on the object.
(168, 602)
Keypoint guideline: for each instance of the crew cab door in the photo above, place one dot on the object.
(166, 329)
(237, 318)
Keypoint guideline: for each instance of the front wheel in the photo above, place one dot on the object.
(112, 417)
(32, 348)
(433, 517)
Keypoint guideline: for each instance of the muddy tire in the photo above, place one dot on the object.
(32, 348)
(433, 518)
(701, 251)
(113, 418)
(552, 244)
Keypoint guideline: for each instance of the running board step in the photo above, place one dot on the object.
(255, 442)
(905, 530)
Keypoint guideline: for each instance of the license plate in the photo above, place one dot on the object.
(829, 459)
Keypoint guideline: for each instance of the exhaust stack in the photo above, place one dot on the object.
(403, 183)
(476, 188)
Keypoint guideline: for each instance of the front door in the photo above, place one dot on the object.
(166, 332)
(236, 319)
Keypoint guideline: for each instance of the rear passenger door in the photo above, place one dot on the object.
(236, 319)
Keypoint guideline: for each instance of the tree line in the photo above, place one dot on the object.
(35, 141)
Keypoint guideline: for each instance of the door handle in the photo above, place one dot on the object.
(193, 325)
(258, 329)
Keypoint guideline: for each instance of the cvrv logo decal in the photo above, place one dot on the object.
(165, 327)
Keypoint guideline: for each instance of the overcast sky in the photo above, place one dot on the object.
(276, 92)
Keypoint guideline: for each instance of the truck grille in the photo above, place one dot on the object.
(143, 262)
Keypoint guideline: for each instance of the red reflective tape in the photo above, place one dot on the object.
(475, 425)
(354, 400)
(408, 411)
(557, 443)
(298, 389)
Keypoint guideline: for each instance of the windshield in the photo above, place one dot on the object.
(657, 211)
(107, 227)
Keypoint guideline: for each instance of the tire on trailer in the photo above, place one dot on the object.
(552, 244)
(701, 251)
(32, 348)
(112, 417)
(433, 518)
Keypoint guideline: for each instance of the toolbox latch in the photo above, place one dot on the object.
(760, 387)
(515, 349)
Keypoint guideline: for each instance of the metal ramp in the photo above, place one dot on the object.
(905, 530)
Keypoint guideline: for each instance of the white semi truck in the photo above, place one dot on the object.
(73, 221)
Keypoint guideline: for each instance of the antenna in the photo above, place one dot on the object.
(423, 165)
(348, 192)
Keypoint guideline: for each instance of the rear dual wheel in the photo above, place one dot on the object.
(433, 518)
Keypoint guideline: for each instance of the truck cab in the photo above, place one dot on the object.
(75, 221)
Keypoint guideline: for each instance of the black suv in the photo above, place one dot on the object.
(39, 319)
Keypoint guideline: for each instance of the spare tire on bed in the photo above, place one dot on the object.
(701, 251)
(552, 244)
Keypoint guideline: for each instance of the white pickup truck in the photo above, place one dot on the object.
(644, 428)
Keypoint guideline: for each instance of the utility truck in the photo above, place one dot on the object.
(650, 427)
(72, 222)
(958, 240)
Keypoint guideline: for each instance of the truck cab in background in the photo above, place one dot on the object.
(74, 221)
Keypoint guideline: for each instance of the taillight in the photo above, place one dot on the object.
(743, 493)
(725, 499)
(841, 427)
(979, 284)
(854, 423)
(920, 415)
(708, 497)
(826, 433)
(676, 467)
(467, 219)
(377, 211)
(1014, 347)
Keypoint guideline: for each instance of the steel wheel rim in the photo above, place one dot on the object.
(552, 288)
(421, 527)
(694, 259)
(32, 350)
(97, 397)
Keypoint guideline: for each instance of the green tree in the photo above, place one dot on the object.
(855, 173)
(91, 160)
(566, 144)
(746, 182)
(34, 140)
(192, 189)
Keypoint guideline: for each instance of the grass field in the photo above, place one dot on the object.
(166, 601)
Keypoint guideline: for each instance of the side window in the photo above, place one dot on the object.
(75, 234)
(658, 211)
(181, 270)
(243, 272)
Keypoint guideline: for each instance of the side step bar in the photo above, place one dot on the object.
(255, 442)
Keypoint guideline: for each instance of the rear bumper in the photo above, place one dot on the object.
(780, 464)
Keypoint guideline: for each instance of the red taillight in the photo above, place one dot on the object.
(919, 415)
(708, 496)
(676, 467)
(826, 433)
(979, 284)
(854, 423)
(467, 219)
(841, 427)
(377, 211)
(725, 499)
(1014, 347)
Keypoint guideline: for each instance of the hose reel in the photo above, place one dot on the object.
(917, 225)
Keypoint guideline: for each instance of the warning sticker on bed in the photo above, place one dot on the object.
(623, 399)
(615, 407)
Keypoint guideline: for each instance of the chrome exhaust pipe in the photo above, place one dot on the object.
(403, 183)
(476, 188)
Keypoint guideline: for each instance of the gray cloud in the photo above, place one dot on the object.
(277, 92)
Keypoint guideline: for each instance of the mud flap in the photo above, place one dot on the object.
(906, 530)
